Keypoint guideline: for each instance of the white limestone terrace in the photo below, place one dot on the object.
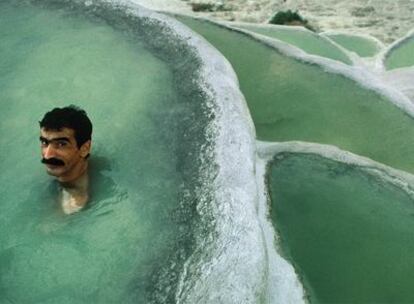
(281, 283)
(386, 20)
(176, 6)
(268, 150)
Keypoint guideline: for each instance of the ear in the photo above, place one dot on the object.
(85, 149)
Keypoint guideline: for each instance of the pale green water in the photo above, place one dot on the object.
(364, 47)
(348, 233)
(291, 100)
(305, 40)
(150, 118)
(128, 246)
(401, 56)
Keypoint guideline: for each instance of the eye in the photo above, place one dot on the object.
(44, 143)
(61, 144)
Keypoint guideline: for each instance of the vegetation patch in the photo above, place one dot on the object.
(290, 18)
(209, 7)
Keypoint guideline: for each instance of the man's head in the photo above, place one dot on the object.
(65, 137)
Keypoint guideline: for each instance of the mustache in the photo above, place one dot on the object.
(52, 161)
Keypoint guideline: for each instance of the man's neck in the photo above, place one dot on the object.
(75, 194)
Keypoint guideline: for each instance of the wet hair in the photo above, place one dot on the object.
(71, 117)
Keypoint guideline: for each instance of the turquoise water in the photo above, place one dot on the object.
(338, 225)
(401, 56)
(130, 243)
(347, 232)
(364, 47)
(138, 240)
(305, 40)
(291, 100)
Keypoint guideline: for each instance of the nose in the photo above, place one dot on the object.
(48, 152)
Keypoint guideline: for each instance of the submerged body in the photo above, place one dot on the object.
(75, 196)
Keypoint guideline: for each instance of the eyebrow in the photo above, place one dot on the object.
(41, 138)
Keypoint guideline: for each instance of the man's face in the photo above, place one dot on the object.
(61, 155)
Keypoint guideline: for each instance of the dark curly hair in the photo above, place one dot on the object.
(71, 117)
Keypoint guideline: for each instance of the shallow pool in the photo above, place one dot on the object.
(363, 46)
(130, 243)
(304, 39)
(293, 100)
(346, 230)
(401, 55)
